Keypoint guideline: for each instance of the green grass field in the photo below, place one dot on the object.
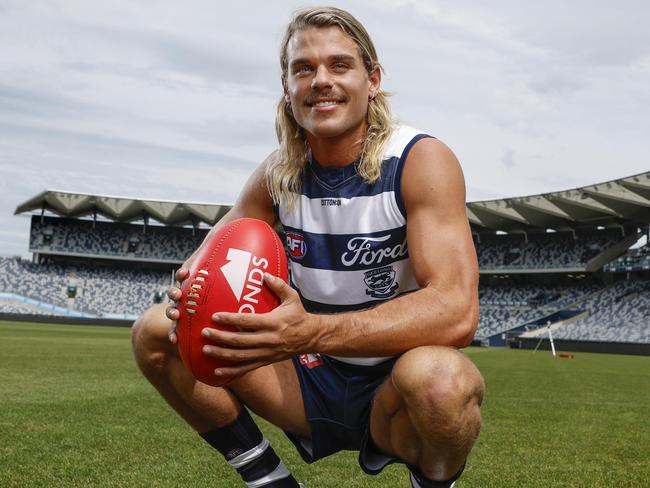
(74, 411)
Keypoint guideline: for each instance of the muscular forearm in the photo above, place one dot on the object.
(424, 317)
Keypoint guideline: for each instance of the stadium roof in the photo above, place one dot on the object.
(625, 201)
(123, 209)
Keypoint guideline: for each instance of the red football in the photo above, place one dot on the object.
(227, 276)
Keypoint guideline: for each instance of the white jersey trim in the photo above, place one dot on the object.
(401, 137)
(356, 215)
(361, 361)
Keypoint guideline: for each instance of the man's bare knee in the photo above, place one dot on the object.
(442, 391)
(440, 385)
(443, 372)
(150, 339)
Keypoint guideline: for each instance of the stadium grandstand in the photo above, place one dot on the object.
(575, 262)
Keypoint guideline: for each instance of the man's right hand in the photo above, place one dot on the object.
(174, 294)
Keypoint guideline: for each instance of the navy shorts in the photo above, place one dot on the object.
(338, 397)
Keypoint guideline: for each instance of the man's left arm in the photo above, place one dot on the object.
(444, 311)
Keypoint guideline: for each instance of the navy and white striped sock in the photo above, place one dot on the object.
(249, 452)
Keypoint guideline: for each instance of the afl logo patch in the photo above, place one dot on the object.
(296, 245)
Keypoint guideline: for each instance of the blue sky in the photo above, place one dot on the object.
(176, 100)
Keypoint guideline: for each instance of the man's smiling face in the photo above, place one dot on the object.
(327, 83)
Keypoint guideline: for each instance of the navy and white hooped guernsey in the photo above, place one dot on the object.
(347, 238)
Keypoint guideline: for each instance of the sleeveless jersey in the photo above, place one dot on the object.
(346, 239)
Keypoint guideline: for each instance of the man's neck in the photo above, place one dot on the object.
(337, 151)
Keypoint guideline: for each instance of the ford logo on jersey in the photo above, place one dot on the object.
(296, 245)
(365, 251)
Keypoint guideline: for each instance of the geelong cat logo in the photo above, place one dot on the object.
(243, 281)
(381, 282)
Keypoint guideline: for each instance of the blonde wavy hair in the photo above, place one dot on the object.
(283, 173)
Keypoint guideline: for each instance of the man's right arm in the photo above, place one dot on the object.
(254, 201)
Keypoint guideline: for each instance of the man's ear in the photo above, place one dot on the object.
(375, 81)
(285, 91)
